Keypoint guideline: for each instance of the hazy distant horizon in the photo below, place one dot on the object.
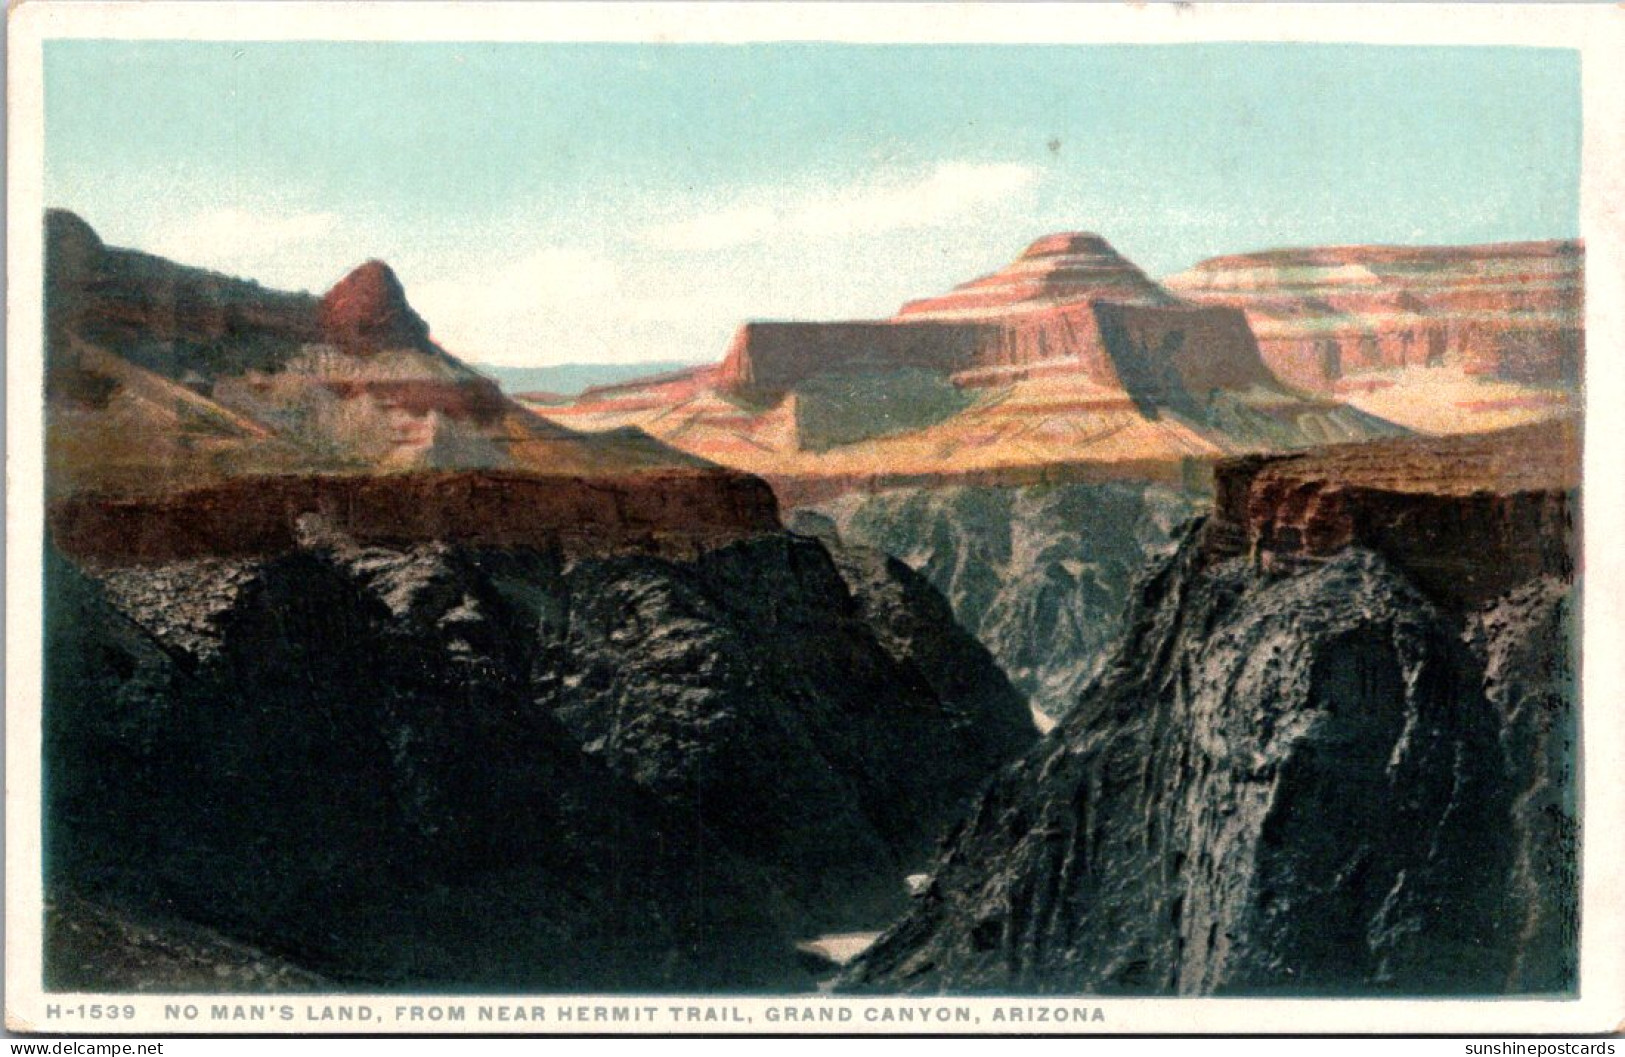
(562, 204)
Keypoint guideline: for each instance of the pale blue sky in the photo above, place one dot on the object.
(553, 203)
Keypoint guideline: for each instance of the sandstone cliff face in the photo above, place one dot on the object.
(160, 376)
(1315, 777)
(1467, 518)
(1512, 311)
(1068, 365)
(677, 513)
(1069, 298)
(463, 766)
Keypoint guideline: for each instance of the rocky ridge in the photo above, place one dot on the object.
(1513, 310)
(1069, 364)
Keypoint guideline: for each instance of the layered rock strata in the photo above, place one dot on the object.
(678, 512)
(162, 376)
(1313, 777)
(1067, 365)
(1068, 297)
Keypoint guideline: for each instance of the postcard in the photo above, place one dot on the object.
(814, 518)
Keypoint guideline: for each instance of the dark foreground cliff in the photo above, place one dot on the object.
(455, 765)
(1301, 772)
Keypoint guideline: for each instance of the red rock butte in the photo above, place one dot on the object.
(1067, 364)
(1070, 302)
(1511, 311)
(675, 513)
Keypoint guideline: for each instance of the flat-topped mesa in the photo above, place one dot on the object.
(1512, 311)
(367, 311)
(1468, 517)
(1069, 302)
(674, 513)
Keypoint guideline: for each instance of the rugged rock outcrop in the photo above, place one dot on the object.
(827, 717)
(1467, 518)
(1318, 777)
(1040, 574)
(451, 765)
(1507, 310)
(677, 512)
(1068, 365)
(161, 376)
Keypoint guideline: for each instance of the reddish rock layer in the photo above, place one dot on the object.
(1508, 310)
(1070, 302)
(665, 512)
(367, 311)
(766, 360)
(1065, 268)
(115, 294)
(1467, 517)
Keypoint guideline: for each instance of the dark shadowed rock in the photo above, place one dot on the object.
(1290, 784)
(482, 767)
(367, 311)
(90, 947)
(1334, 753)
(309, 756)
(1527, 646)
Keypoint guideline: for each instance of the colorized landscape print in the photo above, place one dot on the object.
(792, 518)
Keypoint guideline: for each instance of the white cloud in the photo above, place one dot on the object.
(233, 239)
(499, 314)
(952, 191)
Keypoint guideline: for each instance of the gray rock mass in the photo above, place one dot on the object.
(1307, 782)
